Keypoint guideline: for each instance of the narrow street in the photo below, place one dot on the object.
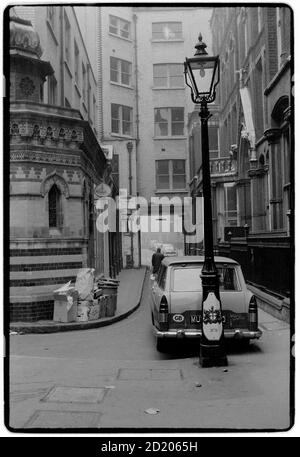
(109, 377)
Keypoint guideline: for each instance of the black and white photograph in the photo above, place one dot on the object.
(149, 219)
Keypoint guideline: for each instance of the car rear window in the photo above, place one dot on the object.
(187, 279)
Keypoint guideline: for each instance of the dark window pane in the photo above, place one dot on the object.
(178, 166)
(161, 122)
(177, 128)
(177, 114)
(54, 210)
(125, 28)
(163, 182)
(125, 72)
(115, 111)
(114, 76)
(162, 166)
(115, 126)
(113, 25)
(179, 182)
(213, 138)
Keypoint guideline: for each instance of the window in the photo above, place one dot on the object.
(230, 204)
(54, 199)
(120, 71)
(119, 27)
(52, 90)
(115, 169)
(162, 276)
(168, 121)
(94, 110)
(213, 136)
(189, 279)
(84, 80)
(67, 39)
(166, 30)
(259, 99)
(76, 62)
(170, 174)
(168, 75)
(121, 119)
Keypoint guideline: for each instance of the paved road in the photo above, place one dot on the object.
(109, 377)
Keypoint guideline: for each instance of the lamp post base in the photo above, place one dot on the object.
(212, 356)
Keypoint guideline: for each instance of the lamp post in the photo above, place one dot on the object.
(129, 146)
(202, 74)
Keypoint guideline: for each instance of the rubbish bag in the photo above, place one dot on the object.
(85, 283)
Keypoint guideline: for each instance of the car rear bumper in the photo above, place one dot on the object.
(228, 333)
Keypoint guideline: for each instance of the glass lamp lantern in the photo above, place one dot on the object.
(202, 74)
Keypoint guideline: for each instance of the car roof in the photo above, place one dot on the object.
(195, 259)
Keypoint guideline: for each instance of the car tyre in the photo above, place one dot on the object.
(152, 318)
(245, 343)
(161, 345)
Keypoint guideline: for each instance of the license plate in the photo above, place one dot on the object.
(195, 318)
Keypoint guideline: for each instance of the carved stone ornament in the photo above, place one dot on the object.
(23, 37)
(54, 178)
(27, 87)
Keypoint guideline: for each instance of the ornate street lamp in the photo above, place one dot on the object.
(202, 76)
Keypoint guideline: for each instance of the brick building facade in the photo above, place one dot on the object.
(55, 163)
(256, 142)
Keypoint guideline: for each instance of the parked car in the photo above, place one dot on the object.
(176, 297)
(168, 250)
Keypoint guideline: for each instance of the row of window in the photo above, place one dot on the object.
(168, 75)
(160, 30)
(167, 121)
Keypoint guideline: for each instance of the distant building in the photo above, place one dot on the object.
(145, 101)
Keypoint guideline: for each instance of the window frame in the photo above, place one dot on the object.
(170, 175)
(52, 90)
(177, 38)
(76, 63)
(234, 217)
(119, 72)
(120, 22)
(58, 208)
(169, 122)
(67, 39)
(121, 120)
(167, 77)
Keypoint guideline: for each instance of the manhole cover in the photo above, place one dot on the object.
(133, 374)
(63, 394)
(63, 419)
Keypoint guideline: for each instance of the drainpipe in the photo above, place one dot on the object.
(62, 73)
(100, 73)
(137, 122)
(129, 149)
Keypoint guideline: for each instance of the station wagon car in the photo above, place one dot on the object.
(176, 298)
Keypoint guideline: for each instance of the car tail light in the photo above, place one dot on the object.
(163, 314)
(253, 318)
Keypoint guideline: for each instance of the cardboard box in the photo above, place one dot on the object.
(64, 311)
(83, 309)
(94, 312)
